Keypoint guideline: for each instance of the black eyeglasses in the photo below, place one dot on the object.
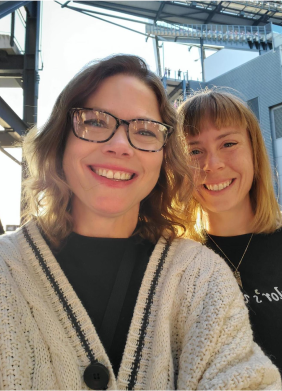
(99, 126)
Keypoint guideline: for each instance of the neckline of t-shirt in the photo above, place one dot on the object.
(77, 236)
(230, 237)
(230, 240)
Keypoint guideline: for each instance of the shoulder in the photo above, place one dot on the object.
(205, 286)
(270, 239)
(15, 247)
(192, 252)
(194, 262)
(9, 245)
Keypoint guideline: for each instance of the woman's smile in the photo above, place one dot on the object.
(218, 187)
(113, 176)
(113, 172)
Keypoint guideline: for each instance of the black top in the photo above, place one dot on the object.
(261, 274)
(91, 266)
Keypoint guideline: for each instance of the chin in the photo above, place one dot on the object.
(219, 208)
(112, 208)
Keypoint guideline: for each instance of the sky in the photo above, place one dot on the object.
(69, 40)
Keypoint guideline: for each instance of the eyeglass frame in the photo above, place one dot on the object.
(119, 122)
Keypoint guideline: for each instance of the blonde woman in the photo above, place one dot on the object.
(234, 209)
(97, 290)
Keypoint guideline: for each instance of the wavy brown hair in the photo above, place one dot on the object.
(224, 109)
(47, 194)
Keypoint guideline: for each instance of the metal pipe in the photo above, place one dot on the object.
(12, 29)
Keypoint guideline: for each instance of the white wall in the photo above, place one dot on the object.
(224, 60)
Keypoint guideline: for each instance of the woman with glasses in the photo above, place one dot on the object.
(97, 289)
(234, 210)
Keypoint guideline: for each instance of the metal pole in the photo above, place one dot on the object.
(202, 50)
(157, 56)
(12, 29)
(30, 74)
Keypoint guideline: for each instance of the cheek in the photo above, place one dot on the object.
(68, 160)
(71, 161)
(153, 168)
(152, 162)
(198, 175)
(247, 167)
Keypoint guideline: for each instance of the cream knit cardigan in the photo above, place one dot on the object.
(190, 328)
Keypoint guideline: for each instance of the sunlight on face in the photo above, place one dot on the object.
(223, 167)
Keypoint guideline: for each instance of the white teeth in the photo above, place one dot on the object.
(110, 174)
(218, 187)
(117, 175)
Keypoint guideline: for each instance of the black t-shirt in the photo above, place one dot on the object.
(91, 266)
(261, 275)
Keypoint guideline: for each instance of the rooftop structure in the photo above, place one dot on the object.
(251, 13)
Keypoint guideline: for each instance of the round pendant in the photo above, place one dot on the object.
(96, 376)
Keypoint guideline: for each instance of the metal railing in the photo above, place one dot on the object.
(175, 74)
(213, 32)
(14, 26)
(275, 5)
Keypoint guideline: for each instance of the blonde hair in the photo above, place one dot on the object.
(224, 109)
(47, 194)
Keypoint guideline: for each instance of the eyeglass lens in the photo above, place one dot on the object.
(98, 126)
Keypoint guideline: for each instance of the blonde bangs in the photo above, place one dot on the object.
(204, 106)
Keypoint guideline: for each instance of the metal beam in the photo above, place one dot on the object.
(65, 4)
(7, 7)
(157, 55)
(263, 19)
(150, 13)
(97, 13)
(30, 73)
(175, 90)
(218, 8)
(11, 62)
(112, 6)
(202, 49)
(10, 120)
(12, 29)
(85, 12)
(159, 11)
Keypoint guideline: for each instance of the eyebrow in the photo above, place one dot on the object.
(217, 138)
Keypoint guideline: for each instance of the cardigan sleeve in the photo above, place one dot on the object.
(217, 349)
(26, 361)
(21, 343)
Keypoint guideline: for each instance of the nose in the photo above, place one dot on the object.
(118, 145)
(212, 162)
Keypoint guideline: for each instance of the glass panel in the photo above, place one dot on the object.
(277, 115)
